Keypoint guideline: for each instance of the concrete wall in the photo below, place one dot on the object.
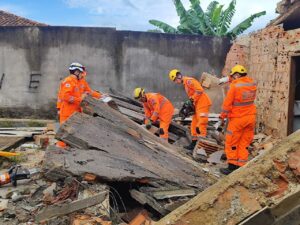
(118, 59)
(268, 54)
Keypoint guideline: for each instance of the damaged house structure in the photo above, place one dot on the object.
(272, 56)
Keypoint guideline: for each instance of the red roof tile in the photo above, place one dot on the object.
(8, 19)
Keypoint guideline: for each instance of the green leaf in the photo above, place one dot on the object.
(195, 22)
(240, 28)
(186, 19)
(165, 27)
(217, 16)
(226, 18)
(204, 23)
(211, 8)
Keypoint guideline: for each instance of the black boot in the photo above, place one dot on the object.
(191, 146)
(223, 157)
(229, 169)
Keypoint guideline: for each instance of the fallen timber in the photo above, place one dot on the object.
(115, 148)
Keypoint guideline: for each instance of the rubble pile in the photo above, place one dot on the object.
(114, 171)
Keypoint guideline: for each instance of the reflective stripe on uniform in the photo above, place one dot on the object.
(225, 111)
(198, 92)
(229, 132)
(203, 114)
(155, 114)
(243, 103)
(239, 160)
(71, 99)
(245, 84)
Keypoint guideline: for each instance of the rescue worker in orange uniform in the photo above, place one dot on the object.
(72, 90)
(201, 102)
(240, 110)
(84, 87)
(156, 107)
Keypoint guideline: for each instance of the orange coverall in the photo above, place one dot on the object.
(69, 98)
(240, 110)
(202, 104)
(84, 88)
(158, 107)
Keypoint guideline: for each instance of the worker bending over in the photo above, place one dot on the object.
(201, 102)
(72, 91)
(156, 107)
(240, 110)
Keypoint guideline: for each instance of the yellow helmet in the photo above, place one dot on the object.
(138, 92)
(173, 74)
(238, 69)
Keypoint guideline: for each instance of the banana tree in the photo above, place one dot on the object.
(215, 21)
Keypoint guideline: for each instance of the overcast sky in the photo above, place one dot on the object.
(124, 14)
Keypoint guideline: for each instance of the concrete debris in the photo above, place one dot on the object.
(258, 184)
(108, 144)
(3, 204)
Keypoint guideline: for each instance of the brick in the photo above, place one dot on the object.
(294, 163)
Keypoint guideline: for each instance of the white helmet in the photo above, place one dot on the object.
(76, 66)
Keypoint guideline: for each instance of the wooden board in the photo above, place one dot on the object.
(7, 143)
(119, 149)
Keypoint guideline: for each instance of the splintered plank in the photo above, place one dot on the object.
(123, 150)
(134, 110)
(7, 143)
(163, 194)
(145, 199)
(67, 208)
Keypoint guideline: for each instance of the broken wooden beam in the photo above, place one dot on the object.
(7, 143)
(163, 194)
(67, 208)
(134, 110)
(146, 199)
(117, 148)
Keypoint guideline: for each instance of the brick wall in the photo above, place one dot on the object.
(268, 59)
(238, 54)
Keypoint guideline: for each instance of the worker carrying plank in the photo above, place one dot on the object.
(240, 110)
(156, 107)
(201, 103)
(71, 92)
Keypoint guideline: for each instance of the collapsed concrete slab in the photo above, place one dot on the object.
(115, 148)
(263, 182)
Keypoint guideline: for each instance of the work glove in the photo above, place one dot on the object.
(161, 131)
(148, 125)
(224, 80)
(198, 130)
(190, 102)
